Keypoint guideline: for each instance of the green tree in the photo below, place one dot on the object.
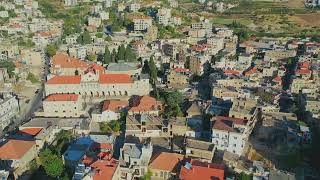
(109, 127)
(51, 50)
(52, 164)
(121, 52)
(9, 65)
(173, 101)
(31, 77)
(92, 57)
(84, 38)
(129, 54)
(145, 68)
(114, 56)
(153, 70)
(107, 56)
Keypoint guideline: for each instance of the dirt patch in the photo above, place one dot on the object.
(306, 19)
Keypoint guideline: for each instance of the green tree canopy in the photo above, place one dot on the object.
(9, 65)
(51, 50)
(153, 70)
(31, 77)
(130, 55)
(52, 164)
(84, 38)
(145, 68)
(121, 52)
(107, 56)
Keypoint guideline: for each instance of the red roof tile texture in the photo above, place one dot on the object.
(29, 131)
(15, 149)
(203, 171)
(143, 104)
(115, 79)
(62, 97)
(226, 123)
(114, 105)
(166, 161)
(65, 80)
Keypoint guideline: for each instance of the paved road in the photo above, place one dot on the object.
(32, 106)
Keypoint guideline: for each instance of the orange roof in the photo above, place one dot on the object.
(203, 171)
(30, 131)
(277, 79)
(64, 80)
(64, 61)
(104, 169)
(304, 65)
(114, 105)
(166, 161)
(15, 149)
(115, 79)
(181, 69)
(251, 71)
(44, 34)
(18, 64)
(62, 97)
(231, 71)
(143, 104)
(303, 71)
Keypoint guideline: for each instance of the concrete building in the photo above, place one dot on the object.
(109, 110)
(70, 2)
(134, 160)
(146, 125)
(62, 105)
(164, 16)
(230, 134)
(16, 156)
(9, 109)
(166, 166)
(142, 23)
(201, 150)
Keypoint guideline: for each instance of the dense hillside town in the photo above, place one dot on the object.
(167, 89)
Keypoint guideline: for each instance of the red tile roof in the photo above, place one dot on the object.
(277, 79)
(231, 71)
(143, 104)
(166, 161)
(203, 171)
(251, 71)
(104, 169)
(65, 80)
(181, 70)
(198, 48)
(114, 105)
(115, 79)
(62, 97)
(64, 61)
(304, 65)
(29, 131)
(226, 123)
(15, 149)
(303, 71)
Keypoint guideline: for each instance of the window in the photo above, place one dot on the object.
(234, 145)
(235, 137)
(161, 174)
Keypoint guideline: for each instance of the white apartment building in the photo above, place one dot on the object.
(70, 2)
(134, 160)
(142, 23)
(62, 105)
(9, 109)
(230, 134)
(134, 7)
(164, 16)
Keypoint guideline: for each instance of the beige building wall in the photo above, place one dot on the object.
(141, 87)
(63, 108)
